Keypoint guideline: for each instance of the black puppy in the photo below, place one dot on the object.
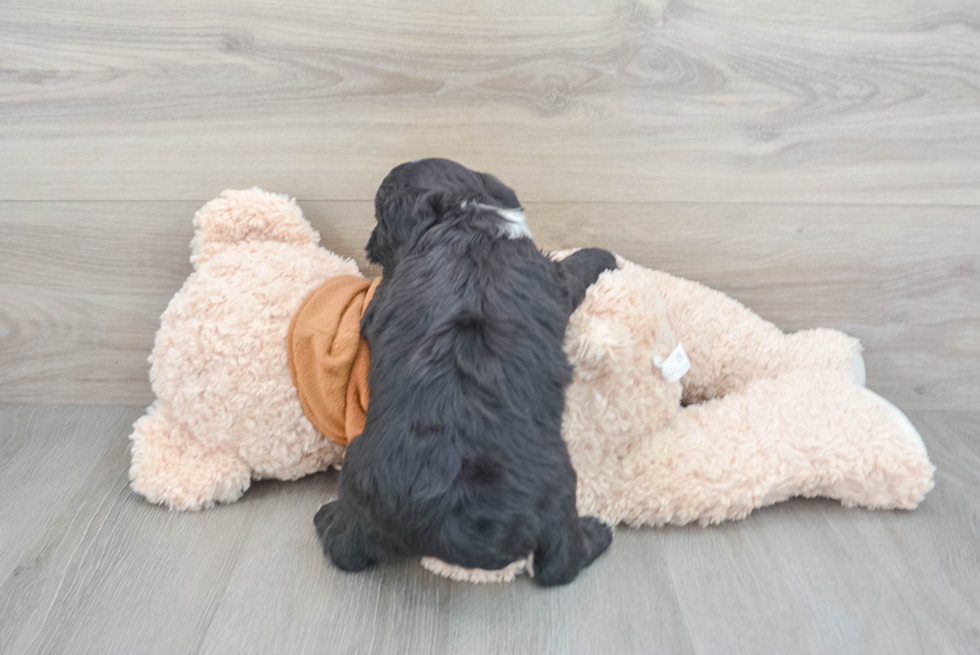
(461, 457)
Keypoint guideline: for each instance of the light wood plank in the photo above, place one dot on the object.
(121, 576)
(93, 569)
(819, 162)
(48, 455)
(82, 287)
(284, 580)
(812, 577)
(658, 101)
(83, 284)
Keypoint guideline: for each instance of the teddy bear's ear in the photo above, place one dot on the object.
(594, 344)
(621, 323)
(248, 215)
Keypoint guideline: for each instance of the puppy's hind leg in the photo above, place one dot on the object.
(566, 549)
(348, 539)
(597, 537)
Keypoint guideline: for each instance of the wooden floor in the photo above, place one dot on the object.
(818, 161)
(89, 568)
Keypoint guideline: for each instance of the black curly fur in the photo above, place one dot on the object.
(461, 457)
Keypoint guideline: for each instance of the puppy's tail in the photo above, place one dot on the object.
(248, 215)
(597, 537)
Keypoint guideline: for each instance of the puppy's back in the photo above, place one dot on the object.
(462, 449)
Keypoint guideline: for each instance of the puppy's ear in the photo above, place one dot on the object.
(502, 194)
(390, 212)
(408, 216)
(379, 249)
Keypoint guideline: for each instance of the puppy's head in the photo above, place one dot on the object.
(418, 195)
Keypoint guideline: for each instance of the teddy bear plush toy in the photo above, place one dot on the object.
(685, 406)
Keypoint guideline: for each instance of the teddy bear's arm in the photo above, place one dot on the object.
(729, 345)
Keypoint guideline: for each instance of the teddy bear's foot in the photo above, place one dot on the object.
(856, 370)
(898, 485)
(825, 348)
(902, 422)
(480, 576)
(597, 535)
(858, 447)
(170, 467)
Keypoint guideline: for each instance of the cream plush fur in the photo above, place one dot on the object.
(760, 417)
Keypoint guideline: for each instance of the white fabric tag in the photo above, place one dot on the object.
(676, 364)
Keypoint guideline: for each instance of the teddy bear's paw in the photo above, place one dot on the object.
(248, 215)
(170, 467)
(480, 576)
(856, 370)
(887, 466)
(902, 423)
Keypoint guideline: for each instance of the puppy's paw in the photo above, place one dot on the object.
(602, 261)
(597, 537)
(581, 269)
(324, 518)
(589, 263)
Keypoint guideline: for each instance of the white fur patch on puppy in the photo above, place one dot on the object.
(515, 223)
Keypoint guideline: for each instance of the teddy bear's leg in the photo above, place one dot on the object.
(804, 433)
(478, 576)
(596, 538)
(172, 468)
(729, 345)
(248, 215)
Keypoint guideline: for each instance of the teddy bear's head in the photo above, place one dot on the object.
(613, 340)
